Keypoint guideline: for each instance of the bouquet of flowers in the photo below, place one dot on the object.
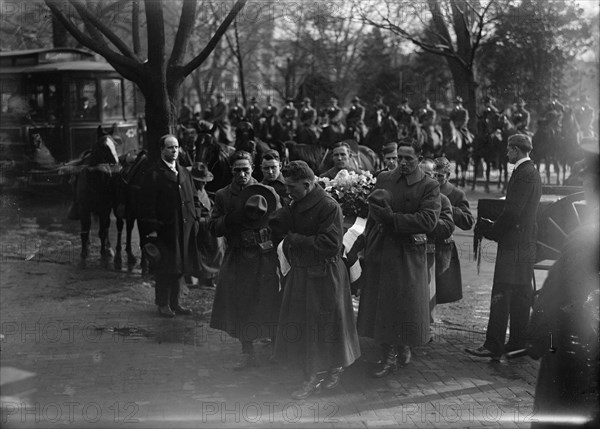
(350, 190)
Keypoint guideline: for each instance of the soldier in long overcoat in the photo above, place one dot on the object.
(394, 305)
(449, 280)
(515, 230)
(170, 213)
(316, 324)
(247, 298)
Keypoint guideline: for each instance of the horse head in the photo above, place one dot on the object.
(104, 150)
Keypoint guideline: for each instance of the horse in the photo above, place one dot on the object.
(308, 134)
(385, 130)
(568, 151)
(455, 149)
(284, 130)
(356, 131)
(319, 159)
(331, 134)
(489, 146)
(215, 155)
(545, 142)
(431, 139)
(126, 212)
(95, 189)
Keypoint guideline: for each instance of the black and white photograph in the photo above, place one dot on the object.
(299, 214)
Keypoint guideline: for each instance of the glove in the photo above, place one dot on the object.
(234, 218)
(382, 214)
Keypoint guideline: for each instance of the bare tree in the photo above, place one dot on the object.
(159, 76)
(453, 29)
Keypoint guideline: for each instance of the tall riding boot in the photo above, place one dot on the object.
(388, 364)
(310, 387)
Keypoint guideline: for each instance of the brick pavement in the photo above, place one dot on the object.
(109, 361)
(97, 355)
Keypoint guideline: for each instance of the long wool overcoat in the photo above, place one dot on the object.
(515, 230)
(247, 298)
(316, 324)
(169, 205)
(449, 280)
(394, 304)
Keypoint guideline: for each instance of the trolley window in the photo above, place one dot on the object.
(112, 98)
(84, 100)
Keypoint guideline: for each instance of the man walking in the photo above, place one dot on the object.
(394, 308)
(515, 231)
(316, 323)
(246, 303)
(171, 212)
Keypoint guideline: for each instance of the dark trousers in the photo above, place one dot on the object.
(508, 301)
(167, 289)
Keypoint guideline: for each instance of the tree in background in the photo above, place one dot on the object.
(158, 75)
(452, 29)
(532, 48)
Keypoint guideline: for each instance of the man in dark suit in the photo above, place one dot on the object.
(515, 230)
(171, 214)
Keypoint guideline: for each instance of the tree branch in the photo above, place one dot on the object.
(186, 22)
(127, 67)
(210, 46)
(85, 14)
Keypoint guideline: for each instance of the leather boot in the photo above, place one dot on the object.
(388, 364)
(310, 387)
(334, 377)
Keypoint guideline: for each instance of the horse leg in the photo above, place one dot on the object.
(117, 259)
(131, 259)
(144, 263)
(475, 162)
(106, 253)
(557, 171)
(488, 169)
(86, 223)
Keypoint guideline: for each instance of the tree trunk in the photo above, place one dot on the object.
(465, 85)
(60, 35)
(161, 117)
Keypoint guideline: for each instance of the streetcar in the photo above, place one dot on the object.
(52, 102)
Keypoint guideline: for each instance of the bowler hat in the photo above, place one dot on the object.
(258, 202)
(379, 197)
(200, 172)
(306, 100)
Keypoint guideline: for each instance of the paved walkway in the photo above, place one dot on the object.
(88, 350)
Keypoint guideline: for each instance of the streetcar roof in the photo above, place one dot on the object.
(63, 66)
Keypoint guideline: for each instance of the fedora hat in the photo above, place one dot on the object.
(152, 252)
(200, 172)
(258, 202)
(379, 197)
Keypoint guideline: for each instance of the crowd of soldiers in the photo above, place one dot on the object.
(358, 118)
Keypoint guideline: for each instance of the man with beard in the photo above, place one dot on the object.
(394, 308)
(316, 324)
(247, 298)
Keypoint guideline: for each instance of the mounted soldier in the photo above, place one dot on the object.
(460, 116)
(584, 114)
(236, 112)
(521, 117)
(289, 114)
(253, 112)
(308, 114)
(221, 129)
(355, 119)
(307, 132)
(268, 121)
(489, 107)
